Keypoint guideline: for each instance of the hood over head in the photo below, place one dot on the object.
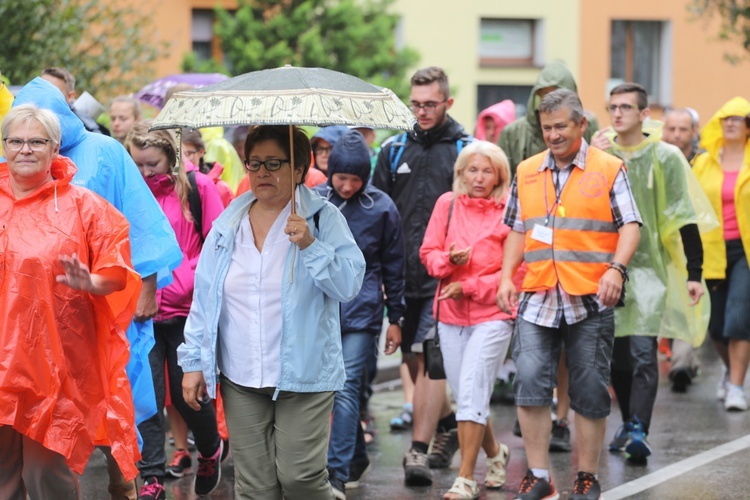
(350, 155)
(555, 74)
(712, 137)
(45, 95)
(502, 113)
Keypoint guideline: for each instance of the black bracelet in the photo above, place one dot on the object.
(620, 269)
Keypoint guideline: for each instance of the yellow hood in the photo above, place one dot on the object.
(712, 138)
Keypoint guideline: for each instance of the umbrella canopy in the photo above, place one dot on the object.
(287, 96)
(154, 92)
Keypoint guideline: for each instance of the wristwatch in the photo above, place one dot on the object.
(399, 322)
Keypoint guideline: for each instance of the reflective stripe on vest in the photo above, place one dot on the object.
(585, 239)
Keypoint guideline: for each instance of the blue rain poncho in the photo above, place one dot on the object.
(668, 197)
(105, 167)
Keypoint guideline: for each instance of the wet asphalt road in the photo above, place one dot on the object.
(700, 451)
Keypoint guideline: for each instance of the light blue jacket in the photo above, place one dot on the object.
(315, 281)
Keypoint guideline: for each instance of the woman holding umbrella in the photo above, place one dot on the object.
(265, 315)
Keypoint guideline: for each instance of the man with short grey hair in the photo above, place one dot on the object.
(575, 224)
(679, 130)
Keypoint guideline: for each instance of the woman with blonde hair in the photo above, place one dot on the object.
(191, 218)
(463, 248)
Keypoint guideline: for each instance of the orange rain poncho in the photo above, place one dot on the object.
(63, 351)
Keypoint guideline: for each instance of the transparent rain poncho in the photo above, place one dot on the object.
(668, 197)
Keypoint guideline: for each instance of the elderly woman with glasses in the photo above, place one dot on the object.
(265, 315)
(67, 295)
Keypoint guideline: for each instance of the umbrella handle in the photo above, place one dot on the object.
(291, 166)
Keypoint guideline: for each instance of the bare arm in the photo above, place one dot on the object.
(147, 306)
(610, 284)
(507, 295)
(78, 276)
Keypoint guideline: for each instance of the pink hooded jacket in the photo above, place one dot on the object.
(501, 113)
(175, 299)
(478, 223)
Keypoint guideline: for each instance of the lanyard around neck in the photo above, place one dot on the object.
(558, 195)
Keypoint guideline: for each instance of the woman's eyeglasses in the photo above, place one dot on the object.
(13, 144)
(270, 165)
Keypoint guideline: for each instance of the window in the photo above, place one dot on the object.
(510, 42)
(202, 33)
(641, 52)
(487, 95)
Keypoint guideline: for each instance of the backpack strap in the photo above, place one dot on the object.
(463, 141)
(397, 149)
(194, 203)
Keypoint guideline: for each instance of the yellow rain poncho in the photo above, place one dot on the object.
(221, 150)
(669, 197)
(708, 170)
(6, 101)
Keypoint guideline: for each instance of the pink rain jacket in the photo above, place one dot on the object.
(175, 299)
(478, 223)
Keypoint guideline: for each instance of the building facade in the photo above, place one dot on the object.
(494, 49)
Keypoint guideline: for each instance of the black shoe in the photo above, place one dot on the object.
(560, 439)
(357, 471)
(152, 489)
(209, 472)
(586, 487)
(225, 451)
(337, 486)
(416, 469)
(444, 446)
(681, 378)
(536, 488)
(181, 462)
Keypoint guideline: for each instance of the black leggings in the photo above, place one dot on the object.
(169, 335)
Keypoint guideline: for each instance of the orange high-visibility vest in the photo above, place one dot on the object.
(584, 235)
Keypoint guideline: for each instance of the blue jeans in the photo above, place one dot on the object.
(346, 432)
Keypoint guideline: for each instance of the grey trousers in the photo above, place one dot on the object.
(279, 447)
(27, 467)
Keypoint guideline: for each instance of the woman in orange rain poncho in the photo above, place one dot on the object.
(67, 294)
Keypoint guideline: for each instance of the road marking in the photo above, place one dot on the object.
(677, 469)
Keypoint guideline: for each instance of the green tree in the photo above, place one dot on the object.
(101, 43)
(350, 36)
(734, 22)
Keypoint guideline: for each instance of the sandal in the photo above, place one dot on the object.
(462, 489)
(496, 476)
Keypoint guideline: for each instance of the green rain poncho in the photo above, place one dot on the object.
(668, 197)
(523, 138)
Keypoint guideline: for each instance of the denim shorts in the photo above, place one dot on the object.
(588, 349)
(730, 314)
(419, 324)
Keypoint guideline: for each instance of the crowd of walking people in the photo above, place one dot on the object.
(232, 294)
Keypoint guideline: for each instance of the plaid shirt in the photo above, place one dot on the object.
(548, 307)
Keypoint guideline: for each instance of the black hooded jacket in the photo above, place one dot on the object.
(424, 172)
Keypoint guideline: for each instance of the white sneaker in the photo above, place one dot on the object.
(735, 400)
(721, 387)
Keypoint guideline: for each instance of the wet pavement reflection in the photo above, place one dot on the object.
(683, 425)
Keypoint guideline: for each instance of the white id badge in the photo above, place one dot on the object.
(542, 233)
